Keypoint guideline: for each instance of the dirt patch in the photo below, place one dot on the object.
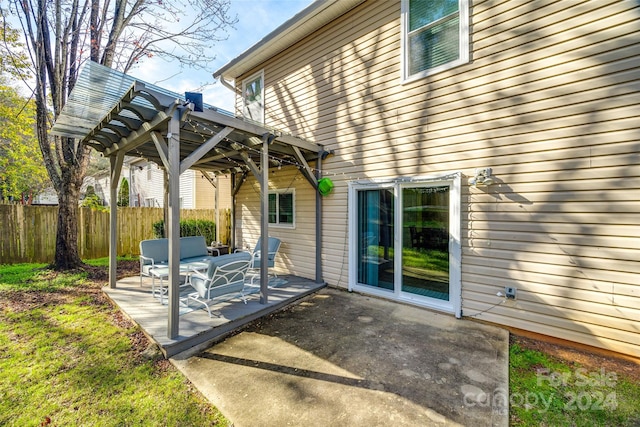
(584, 358)
(124, 269)
(97, 278)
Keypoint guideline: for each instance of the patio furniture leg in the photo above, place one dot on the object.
(189, 298)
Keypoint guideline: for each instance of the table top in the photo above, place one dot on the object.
(185, 267)
(218, 250)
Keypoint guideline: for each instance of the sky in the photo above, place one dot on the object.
(256, 19)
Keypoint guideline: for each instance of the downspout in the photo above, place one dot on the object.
(228, 85)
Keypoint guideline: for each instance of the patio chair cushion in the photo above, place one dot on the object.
(194, 248)
(155, 253)
(155, 249)
(146, 268)
(273, 247)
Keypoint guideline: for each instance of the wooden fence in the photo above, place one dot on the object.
(28, 233)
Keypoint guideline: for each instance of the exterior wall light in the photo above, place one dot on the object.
(482, 177)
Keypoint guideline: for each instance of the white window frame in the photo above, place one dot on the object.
(277, 224)
(463, 6)
(453, 179)
(249, 79)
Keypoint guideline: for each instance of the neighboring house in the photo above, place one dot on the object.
(423, 102)
(146, 184)
(146, 187)
(47, 197)
(101, 185)
(99, 182)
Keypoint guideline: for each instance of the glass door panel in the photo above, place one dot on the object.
(375, 238)
(425, 247)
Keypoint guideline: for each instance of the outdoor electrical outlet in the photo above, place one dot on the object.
(510, 292)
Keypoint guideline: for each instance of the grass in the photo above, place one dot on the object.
(426, 259)
(548, 391)
(68, 357)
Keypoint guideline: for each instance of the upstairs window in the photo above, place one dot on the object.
(253, 97)
(435, 36)
(281, 208)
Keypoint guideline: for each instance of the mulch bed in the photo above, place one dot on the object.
(593, 361)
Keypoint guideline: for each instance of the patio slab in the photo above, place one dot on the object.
(340, 358)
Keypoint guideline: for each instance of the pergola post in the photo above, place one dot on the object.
(264, 219)
(232, 216)
(116, 168)
(173, 223)
(165, 201)
(319, 278)
(217, 208)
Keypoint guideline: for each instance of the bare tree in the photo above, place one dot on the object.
(62, 34)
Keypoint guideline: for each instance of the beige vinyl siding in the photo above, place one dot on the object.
(297, 251)
(205, 194)
(224, 192)
(550, 100)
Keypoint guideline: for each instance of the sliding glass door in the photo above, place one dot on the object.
(425, 241)
(406, 239)
(375, 238)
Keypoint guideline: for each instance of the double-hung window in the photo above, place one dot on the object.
(435, 36)
(253, 97)
(282, 208)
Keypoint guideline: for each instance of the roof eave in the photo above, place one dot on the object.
(305, 22)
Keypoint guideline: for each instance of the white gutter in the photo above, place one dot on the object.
(305, 22)
(228, 85)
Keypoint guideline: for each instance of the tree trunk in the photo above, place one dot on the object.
(67, 256)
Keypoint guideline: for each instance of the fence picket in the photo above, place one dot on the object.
(28, 233)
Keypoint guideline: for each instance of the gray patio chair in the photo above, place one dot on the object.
(254, 266)
(225, 276)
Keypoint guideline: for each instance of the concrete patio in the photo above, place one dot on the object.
(345, 359)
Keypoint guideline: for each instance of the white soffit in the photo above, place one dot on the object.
(316, 15)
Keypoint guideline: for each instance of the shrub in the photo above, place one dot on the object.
(190, 227)
(92, 200)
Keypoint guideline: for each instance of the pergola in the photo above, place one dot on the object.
(119, 115)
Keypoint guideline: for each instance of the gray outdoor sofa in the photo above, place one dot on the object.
(154, 253)
(222, 275)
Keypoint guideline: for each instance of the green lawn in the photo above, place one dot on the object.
(67, 357)
(550, 391)
(427, 259)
